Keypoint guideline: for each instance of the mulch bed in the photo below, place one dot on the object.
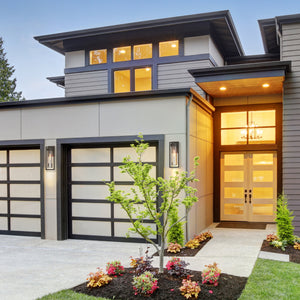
(185, 251)
(290, 250)
(230, 287)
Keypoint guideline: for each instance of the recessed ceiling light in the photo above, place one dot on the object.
(174, 46)
(265, 85)
(223, 88)
(122, 51)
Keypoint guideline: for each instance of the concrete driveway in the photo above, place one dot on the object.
(31, 267)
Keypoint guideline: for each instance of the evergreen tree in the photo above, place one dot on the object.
(7, 85)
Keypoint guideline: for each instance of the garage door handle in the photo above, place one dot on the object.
(245, 196)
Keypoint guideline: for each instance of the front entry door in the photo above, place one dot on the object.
(248, 186)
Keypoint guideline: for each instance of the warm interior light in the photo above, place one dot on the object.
(148, 69)
(265, 85)
(174, 46)
(223, 88)
(122, 51)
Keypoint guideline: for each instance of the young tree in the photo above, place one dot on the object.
(158, 198)
(7, 85)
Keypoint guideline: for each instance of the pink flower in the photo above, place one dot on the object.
(172, 290)
(210, 291)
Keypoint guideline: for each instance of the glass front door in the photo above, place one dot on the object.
(248, 186)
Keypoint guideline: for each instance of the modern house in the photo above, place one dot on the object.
(187, 86)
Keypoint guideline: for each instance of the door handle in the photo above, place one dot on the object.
(250, 196)
(245, 196)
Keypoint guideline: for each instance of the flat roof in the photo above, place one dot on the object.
(218, 24)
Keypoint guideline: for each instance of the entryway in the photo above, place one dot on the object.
(248, 186)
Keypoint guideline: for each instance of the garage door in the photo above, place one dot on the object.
(91, 216)
(20, 192)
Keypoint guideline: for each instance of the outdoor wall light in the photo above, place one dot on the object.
(50, 158)
(174, 154)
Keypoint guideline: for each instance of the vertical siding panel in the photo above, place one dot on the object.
(291, 106)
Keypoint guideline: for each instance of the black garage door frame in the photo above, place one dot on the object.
(23, 145)
(63, 181)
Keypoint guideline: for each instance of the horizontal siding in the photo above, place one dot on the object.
(86, 83)
(291, 120)
(176, 75)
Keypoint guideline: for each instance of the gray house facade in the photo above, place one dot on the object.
(181, 81)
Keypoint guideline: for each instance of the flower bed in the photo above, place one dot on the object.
(230, 287)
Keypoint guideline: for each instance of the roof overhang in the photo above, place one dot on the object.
(270, 28)
(218, 24)
(58, 80)
(242, 80)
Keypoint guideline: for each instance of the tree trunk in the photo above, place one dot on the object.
(161, 256)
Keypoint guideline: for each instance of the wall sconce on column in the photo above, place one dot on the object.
(174, 154)
(50, 158)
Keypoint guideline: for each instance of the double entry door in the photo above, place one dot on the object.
(248, 186)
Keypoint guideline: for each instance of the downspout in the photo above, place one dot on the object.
(278, 36)
(188, 151)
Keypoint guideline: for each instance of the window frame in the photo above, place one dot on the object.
(132, 77)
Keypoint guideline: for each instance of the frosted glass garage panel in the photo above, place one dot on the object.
(121, 229)
(25, 190)
(128, 189)
(3, 173)
(3, 223)
(91, 155)
(148, 156)
(26, 224)
(91, 174)
(24, 156)
(25, 173)
(3, 207)
(118, 176)
(3, 190)
(25, 207)
(3, 159)
(120, 213)
(91, 228)
(90, 191)
(91, 210)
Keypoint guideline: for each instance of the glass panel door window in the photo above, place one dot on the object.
(248, 186)
(248, 127)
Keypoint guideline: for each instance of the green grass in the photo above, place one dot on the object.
(70, 295)
(273, 280)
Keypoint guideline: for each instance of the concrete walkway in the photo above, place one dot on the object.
(31, 267)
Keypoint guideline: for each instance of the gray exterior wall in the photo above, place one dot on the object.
(176, 75)
(86, 83)
(291, 120)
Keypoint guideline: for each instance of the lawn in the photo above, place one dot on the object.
(269, 280)
(273, 280)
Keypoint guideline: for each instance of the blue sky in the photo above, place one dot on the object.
(21, 20)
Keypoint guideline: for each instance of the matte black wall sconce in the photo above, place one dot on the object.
(50, 158)
(174, 154)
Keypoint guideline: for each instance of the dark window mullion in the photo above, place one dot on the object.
(8, 192)
(112, 213)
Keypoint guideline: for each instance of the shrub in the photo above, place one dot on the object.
(98, 279)
(174, 248)
(279, 244)
(177, 267)
(284, 218)
(175, 234)
(144, 284)
(297, 245)
(189, 288)
(142, 264)
(200, 238)
(114, 268)
(211, 274)
(272, 237)
(192, 244)
(208, 235)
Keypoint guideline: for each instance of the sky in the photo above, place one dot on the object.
(21, 20)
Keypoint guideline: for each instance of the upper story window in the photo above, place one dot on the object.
(142, 51)
(138, 79)
(169, 48)
(122, 54)
(248, 127)
(98, 57)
